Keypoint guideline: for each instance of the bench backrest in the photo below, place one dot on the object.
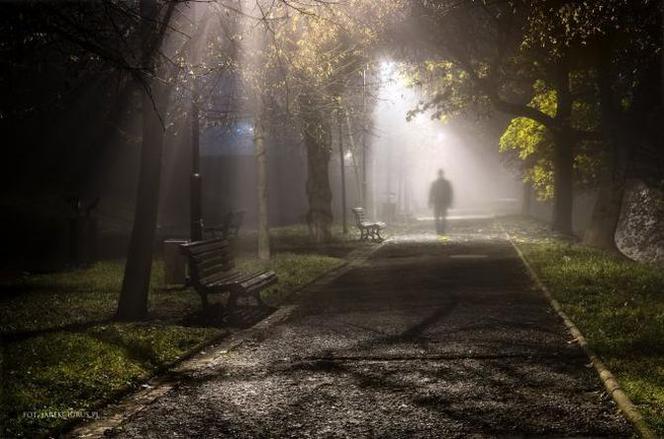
(231, 223)
(207, 259)
(360, 216)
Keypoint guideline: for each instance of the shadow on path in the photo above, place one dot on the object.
(413, 343)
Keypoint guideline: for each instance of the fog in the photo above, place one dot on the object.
(402, 160)
(406, 155)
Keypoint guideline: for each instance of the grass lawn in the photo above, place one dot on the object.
(294, 239)
(618, 304)
(62, 353)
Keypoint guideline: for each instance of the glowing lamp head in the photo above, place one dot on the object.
(386, 70)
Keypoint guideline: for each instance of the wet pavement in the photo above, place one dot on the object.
(429, 337)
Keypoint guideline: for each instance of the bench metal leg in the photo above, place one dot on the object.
(373, 233)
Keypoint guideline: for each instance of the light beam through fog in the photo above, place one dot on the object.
(407, 154)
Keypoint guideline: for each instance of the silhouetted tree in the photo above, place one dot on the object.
(626, 54)
(491, 47)
(133, 301)
(602, 54)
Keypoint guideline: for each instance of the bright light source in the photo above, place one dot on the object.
(405, 155)
(387, 70)
(348, 155)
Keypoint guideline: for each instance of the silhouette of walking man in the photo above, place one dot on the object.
(440, 198)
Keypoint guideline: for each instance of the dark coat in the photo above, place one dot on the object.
(440, 195)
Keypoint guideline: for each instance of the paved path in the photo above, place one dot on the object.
(428, 338)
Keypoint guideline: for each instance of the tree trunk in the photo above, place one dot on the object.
(343, 174)
(359, 192)
(317, 140)
(134, 296)
(365, 147)
(563, 155)
(526, 197)
(563, 177)
(133, 301)
(261, 174)
(606, 212)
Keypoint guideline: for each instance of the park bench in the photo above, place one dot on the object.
(229, 228)
(211, 270)
(368, 230)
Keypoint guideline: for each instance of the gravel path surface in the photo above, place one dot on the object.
(428, 338)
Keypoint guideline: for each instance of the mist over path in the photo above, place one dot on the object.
(430, 337)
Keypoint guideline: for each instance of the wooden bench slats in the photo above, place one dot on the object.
(204, 262)
(202, 254)
(220, 278)
(212, 270)
(244, 279)
(230, 281)
(207, 264)
(205, 252)
(199, 247)
(212, 263)
(266, 276)
(262, 284)
(206, 242)
(378, 224)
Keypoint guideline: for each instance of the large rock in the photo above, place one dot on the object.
(640, 233)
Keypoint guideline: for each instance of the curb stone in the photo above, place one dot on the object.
(624, 403)
(207, 360)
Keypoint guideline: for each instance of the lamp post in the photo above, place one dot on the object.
(365, 195)
(195, 184)
(196, 187)
(343, 172)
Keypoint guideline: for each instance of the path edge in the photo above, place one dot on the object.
(624, 403)
(159, 385)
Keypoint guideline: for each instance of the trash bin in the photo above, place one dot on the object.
(175, 262)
